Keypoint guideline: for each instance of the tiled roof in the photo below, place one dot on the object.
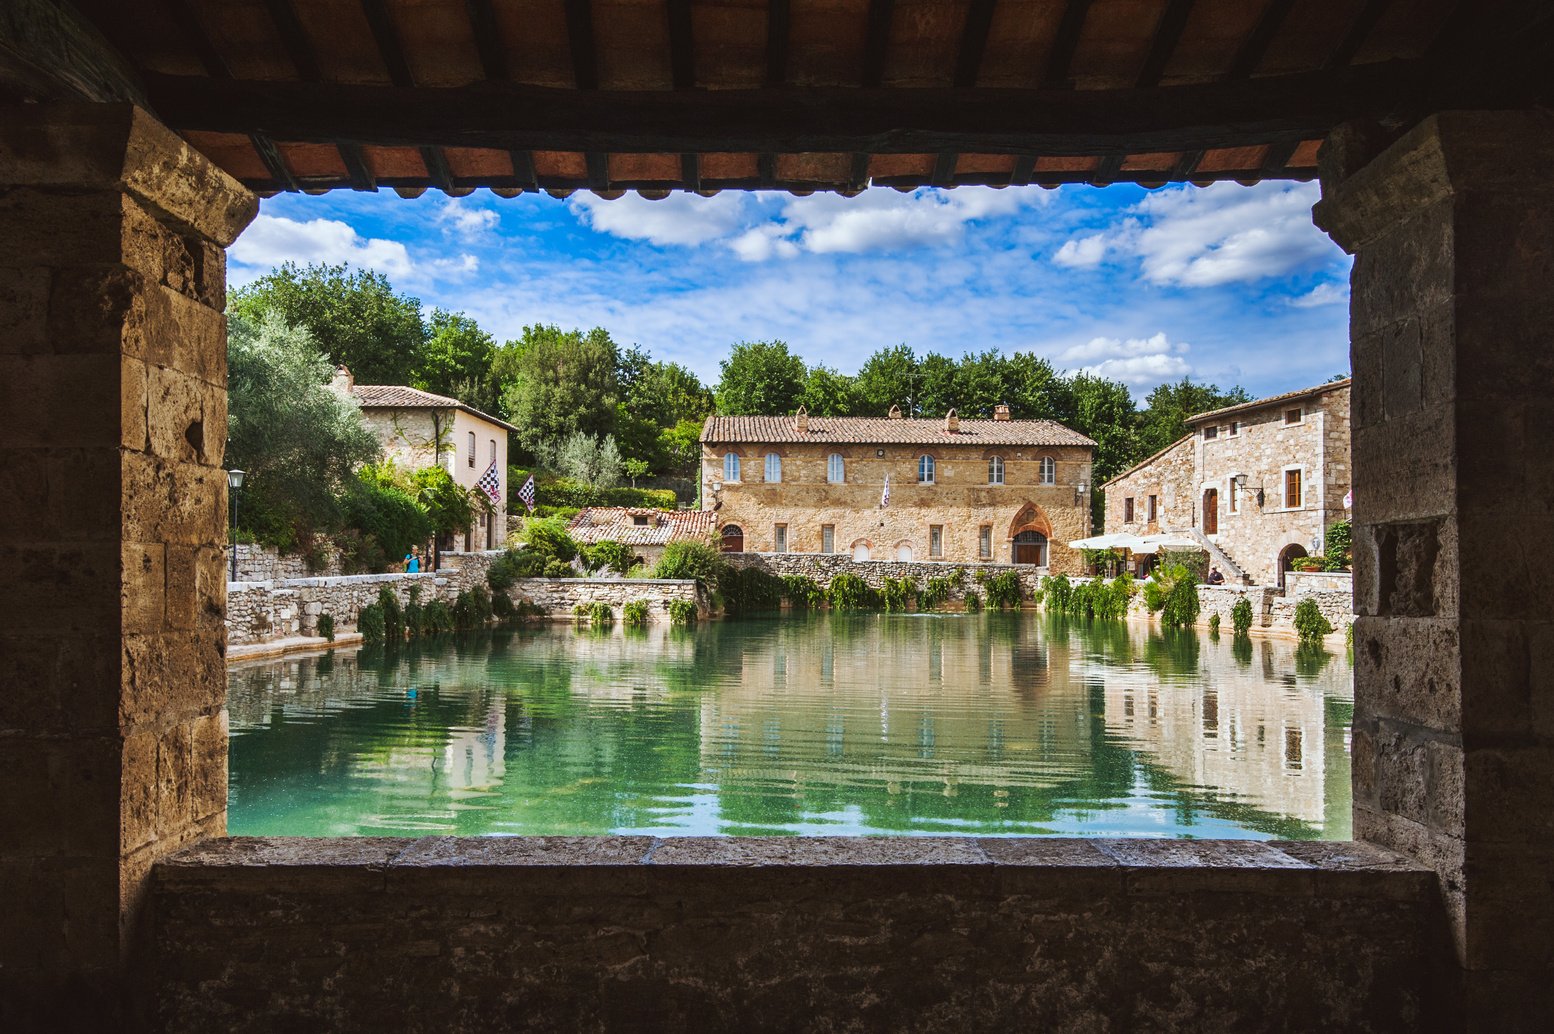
(398, 396)
(1271, 400)
(1141, 464)
(599, 523)
(884, 431)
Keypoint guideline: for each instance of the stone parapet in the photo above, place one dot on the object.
(822, 567)
(1302, 583)
(557, 596)
(257, 563)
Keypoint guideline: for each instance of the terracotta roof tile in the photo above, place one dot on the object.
(1271, 400)
(884, 431)
(399, 396)
(601, 523)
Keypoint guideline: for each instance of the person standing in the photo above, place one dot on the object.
(413, 560)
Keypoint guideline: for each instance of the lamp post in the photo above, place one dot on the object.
(234, 484)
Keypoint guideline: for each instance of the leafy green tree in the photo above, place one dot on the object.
(662, 393)
(297, 439)
(940, 388)
(680, 448)
(449, 506)
(827, 392)
(355, 317)
(581, 457)
(1036, 391)
(558, 383)
(1164, 419)
(888, 378)
(456, 361)
(1104, 410)
(760, 378)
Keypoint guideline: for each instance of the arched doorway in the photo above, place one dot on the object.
(1030, 547)
(733, 538)
(1287, 557)
(1211, 511)
(904, 552)
(861, 550)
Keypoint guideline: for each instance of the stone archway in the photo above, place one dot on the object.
(862, 549)
(732, 539)
(902, 552)
(1287, 557)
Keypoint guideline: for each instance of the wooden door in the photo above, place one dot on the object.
(1211, 511)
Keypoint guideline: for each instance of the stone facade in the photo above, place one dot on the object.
(557, 596)
(823, 567)
(267, 564)
(959, 502)
(1298, 442)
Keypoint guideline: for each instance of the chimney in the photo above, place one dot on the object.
(895, 412)
(342, 381)
(801, 421)
(952, 422)
(1001, 412)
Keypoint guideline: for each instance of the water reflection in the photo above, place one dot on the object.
(855, 724)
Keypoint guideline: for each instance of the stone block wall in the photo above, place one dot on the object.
(557, 596)
(1337, 606)
(822, 567)
(257, 563)
(1300, 583)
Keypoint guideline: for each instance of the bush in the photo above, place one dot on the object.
(472, 609)
(1056, 590)
(1003, 590)
(370, 623)
(413, 613)
(380, 510)
(558, 569)
(1181, 602)
(393, 616)
(1196, 561)
(697, 560)
(1214, 625)
(802, 592)
(326, 626)
(1309, 563)
(502, 606)
(1241, 615)
(1310, 624)
(436, 618)
(682, 612)
(849, 592)
(548, 536)
(1338, 550)
(506, 569)
(937, 592)
(609, 555)
(600, 615)
(635, 614)
(748, 589)
(580, 612)
(897, 593)
(1109, 600)
(558, 492)
(973, 601)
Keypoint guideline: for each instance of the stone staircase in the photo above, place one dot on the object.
(1222, 560)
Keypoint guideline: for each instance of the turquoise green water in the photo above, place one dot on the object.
(881, 724)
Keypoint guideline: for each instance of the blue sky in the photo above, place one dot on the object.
(1226, 284)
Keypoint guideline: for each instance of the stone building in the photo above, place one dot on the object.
(419, 429)
(646, 531)
(1258, 483)
(1000, 490)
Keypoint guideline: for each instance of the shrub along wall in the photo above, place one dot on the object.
(822, 567)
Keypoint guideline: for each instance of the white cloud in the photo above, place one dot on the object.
(881, 220)
(1082, 252)
(466, 218)
(271, 240)
(1322, 294)
(1134, 361)
(1224, 233)
(762, 243)
(679, 218)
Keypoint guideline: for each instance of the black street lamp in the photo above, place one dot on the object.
(234, 483)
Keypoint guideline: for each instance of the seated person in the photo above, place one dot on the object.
(1215, 578)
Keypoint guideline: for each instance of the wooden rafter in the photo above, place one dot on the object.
(778, 19)
(1168, 33)
(1064, 44)
(944, 169)
(580, 38)
(294, 39)
(973, 42)
(1358, 32)
(488, 39)
(1255, 48)
(682, 45)
(793, 120)
(877, 41)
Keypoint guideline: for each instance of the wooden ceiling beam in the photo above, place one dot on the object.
(387, 37)
(778, 27)
(1255, 48)
(488, 39)
(877, 42)
(1168, 33)
(1358, 33)
(510, 116)
(973, 42)
(294, 39)
(682, 45)
(49, 51)
(580, 37)
(1055, 77)
(944, 169)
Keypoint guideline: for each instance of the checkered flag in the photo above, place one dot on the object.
(526, 493)
(491, 484)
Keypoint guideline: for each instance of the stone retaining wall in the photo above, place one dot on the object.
(268, 564)
(558, 596)
(822, 567)
(1303, 583)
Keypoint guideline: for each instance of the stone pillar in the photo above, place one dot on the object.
(1452, 324)
(112, 519)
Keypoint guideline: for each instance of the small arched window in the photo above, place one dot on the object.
(995, 470)
(836, 469)
(731, 466)
(773, 468)
(925, 469)
(493, 451)
(1049, 470)
(472, 448)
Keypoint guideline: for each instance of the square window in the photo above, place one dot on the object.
(1210, 433)
(1234, 429)
(1292, 416)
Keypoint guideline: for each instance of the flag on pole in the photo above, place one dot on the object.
(491, 484)
(885, 495)
(526, 493)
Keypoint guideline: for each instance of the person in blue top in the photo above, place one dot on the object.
(413, 560)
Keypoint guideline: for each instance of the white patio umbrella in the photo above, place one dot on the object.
(1166, 540)
(1117, 540)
